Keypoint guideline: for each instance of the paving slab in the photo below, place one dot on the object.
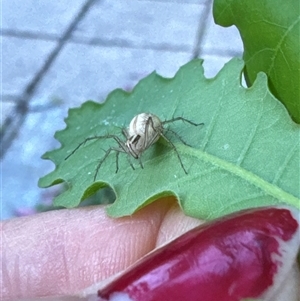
(6, 108)
(47, 16)
(21, 59)
(221, 40)
(162, 25)
(22, 166)
(83, 72)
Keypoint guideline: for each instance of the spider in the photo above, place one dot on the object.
(143, 131)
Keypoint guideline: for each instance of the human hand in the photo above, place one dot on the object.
(63, 253)
(60, 253)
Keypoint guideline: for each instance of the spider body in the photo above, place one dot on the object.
(143, 131)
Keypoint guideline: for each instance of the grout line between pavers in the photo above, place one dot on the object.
(30, 35)
(118, 43)
(196, 50)
(201, 30)
(12, 123)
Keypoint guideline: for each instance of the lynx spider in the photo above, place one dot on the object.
(143, 131)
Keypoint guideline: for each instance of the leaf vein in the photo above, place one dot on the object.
(278, 47)
(212, 124)
(251, 136)
(282, 168)
(256, 180)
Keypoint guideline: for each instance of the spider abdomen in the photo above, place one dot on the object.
(143, 131)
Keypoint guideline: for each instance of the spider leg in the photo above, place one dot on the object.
(175, 149)
(118, 151)
(182, 119)
(117, 161)
(174, 133)
(141, 163)
(148, 124)
(125, 133)
(80, 144)
(178, 136)
(129, 161)
(101, 161)
(116, 138)
(147, 143)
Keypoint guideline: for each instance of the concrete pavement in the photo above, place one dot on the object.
(56, 55)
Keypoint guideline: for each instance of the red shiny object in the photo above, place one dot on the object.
(231, 258)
